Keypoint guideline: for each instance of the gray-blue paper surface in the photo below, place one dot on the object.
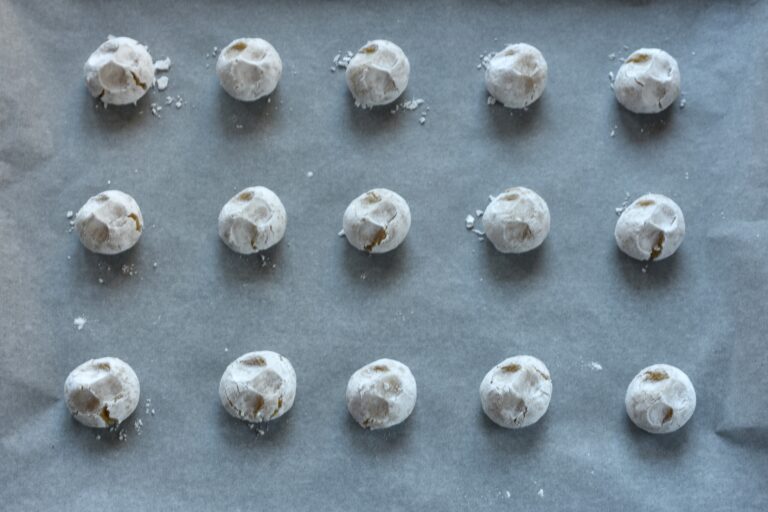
(445, 303)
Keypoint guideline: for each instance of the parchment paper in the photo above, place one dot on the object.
(445, 303)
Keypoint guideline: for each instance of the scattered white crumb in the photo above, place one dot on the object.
(310, 174)
(412, 104)
(610, 76)
(137, 426)
(682, 103)
(469, 221)
(341, 233)
(226, 349)
(239, 126)
(341, 60)
(154, 265)
(122, 435)
(541, 493)
(595, 366)
(70, 214)
(686, 174)
(156, 109)
(509, 494)
(163, 64)
(422, 120)
(168, 100)
(363, 276)
(485, 60)
(479, 213)
(491, 100)
(613, 130)
(101, 280)
(162, 83)
(98, 437)
(619, 210)
(179, 103)
(129, 270)
(80, 322)
(478, 232)
(611, 56)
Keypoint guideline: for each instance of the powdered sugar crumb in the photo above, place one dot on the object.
(163, 64)
(619, 210)
(80, 323)
(412, 104)
(485, 60)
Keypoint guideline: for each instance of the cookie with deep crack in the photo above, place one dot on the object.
(258, 387)
(109, 222)
(253, 220)
(120, 71)
(660, 399)
(651, 228)
(377, 221)
(516, 392)
(381, 394)
(102, 392)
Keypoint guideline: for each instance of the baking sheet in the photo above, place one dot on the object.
(445, 303)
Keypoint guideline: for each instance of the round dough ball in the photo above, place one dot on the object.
(377, 221)
(120, 71)
(651, 228)
(378, 73)
(249, 68)
(258, 386)
(252, 221)
(517, 220)
(517, 75)
(102, 392)
(109, 222)
(516, 392)
(660, 399)
(648, 81)
(381, 394)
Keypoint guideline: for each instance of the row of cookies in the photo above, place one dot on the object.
(120, 71)
(260, 386)
(517, 220)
